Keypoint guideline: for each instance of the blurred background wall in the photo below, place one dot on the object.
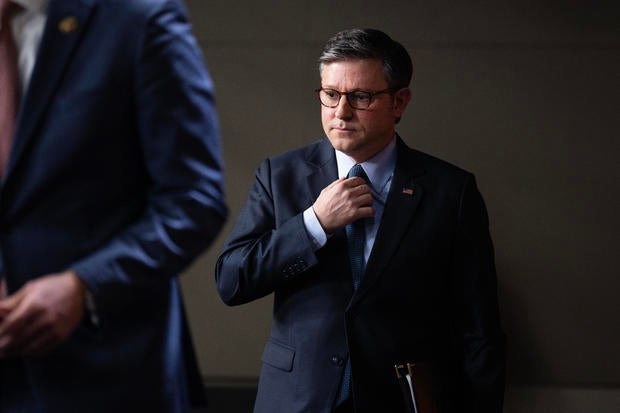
(525, 94)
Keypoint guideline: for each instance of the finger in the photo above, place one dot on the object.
(7, 304)
(366, 212)
(355, 181)
(363, 212)
(363, 200)
(17, 321)
(362, 190)
(5, 320)
(16, 341)
(3, 288)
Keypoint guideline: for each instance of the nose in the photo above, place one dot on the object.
(343, 110)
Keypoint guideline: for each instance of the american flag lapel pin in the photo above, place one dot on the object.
(408, 191)
(68, 24)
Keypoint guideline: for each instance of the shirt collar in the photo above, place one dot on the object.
(379, 168)
(36, 6)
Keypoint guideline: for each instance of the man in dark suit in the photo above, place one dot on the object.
(113, 186)
(427, 289)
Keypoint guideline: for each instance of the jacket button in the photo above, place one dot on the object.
(337, 361)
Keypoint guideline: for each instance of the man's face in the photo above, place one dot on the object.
(360, 133)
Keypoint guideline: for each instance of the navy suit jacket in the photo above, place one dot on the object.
(115, 172)
(428, 294)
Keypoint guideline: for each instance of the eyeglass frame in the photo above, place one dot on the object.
(371, 95)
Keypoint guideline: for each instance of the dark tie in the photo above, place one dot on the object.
(9, 83)
(356, 237)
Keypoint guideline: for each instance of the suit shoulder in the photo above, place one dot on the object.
(294, 159)
(145, 9)
(437, 165)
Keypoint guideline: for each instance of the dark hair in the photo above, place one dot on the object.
(370, 44)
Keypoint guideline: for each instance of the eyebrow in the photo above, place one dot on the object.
(357, 89)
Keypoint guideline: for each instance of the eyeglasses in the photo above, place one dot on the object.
(357, 99)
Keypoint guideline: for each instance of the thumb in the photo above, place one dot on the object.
(10, 302)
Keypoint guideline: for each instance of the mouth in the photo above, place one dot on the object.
(343, 128)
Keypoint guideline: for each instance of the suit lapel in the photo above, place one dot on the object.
(66, 21)
(323, 170)
(403, 199)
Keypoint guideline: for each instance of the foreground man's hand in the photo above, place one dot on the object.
(41, 314)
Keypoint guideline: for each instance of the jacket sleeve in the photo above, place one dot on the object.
(176, 124)
(268, 246)
(477, 307)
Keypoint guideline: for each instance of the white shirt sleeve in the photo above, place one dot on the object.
(314, 228)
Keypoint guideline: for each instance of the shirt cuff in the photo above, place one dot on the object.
(314, 229)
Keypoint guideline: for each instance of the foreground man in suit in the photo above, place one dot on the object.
(113, 185)
(428, 291)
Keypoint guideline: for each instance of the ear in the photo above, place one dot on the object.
(401, 100)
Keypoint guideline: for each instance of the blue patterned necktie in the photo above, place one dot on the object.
(356, 236)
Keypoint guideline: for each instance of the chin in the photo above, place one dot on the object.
(343, 146)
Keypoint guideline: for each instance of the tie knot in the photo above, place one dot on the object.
(357, 170)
